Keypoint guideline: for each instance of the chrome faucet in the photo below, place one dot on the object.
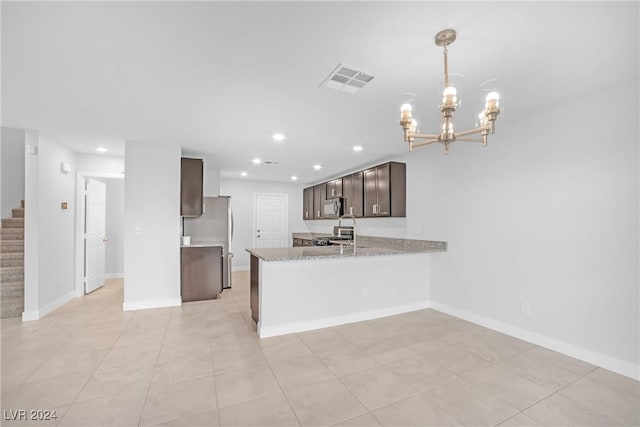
(354, 228)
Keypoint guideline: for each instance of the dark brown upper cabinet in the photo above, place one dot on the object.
(319, 196)
(352, 189)
(191, 187)
(334, 188)
(385, 191)
(307, 203)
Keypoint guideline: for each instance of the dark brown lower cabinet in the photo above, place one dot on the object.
(297, 242)
(201, 273)
(253, 288)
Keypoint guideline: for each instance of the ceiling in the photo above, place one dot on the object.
(219, 78)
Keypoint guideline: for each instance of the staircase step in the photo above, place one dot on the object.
(13, 223)
(11, 289)
(12, 246)
(11, 233)
(18, 212)
(11, 299)
(11, 274)
(12, 259)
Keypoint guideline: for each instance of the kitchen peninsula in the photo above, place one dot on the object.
(297, 289)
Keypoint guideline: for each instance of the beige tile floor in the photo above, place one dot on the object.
(202, 364)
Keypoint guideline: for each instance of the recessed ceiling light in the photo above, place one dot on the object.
(256, 161)
(101, 149)
(243, 173)
(317, 167)
(278, 137)
(294, 178)
(357, 148)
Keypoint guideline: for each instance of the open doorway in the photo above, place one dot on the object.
(99, 230)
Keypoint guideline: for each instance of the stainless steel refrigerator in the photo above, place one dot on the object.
(214, 225)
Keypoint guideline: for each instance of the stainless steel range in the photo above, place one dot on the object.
(341, 235)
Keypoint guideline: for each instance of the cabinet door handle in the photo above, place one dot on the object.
(306, 214)
(333, 191)
(318, 213)
(351, 210)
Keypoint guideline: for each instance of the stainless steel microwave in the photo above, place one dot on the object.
(333, 208)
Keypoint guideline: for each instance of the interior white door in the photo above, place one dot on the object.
(95, 225)
(270, 229)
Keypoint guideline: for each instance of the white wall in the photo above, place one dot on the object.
(49, 229)
(152, 225)
(211, 182)
(98, 163)
(31, 228)
(549, 216)
(242, 195)
(12, 167)
(114, 266)
(546, 214)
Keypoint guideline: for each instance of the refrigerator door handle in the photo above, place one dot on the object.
(231, 214)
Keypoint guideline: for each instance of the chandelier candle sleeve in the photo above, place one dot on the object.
(486, 119)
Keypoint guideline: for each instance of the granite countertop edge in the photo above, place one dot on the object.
(324, 252)
(204, 244)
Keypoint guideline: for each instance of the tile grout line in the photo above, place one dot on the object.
(140, 418)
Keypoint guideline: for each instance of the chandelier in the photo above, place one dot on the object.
(486, 118)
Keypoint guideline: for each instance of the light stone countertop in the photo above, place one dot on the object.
(203, 244)
(371, 246)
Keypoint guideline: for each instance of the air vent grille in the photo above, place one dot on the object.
(346, 79)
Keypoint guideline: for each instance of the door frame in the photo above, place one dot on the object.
(80, 222)
(255, 215)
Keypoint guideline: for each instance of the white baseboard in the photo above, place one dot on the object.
(114, 276)
(30, 315)
(38, 314)
(156, 303)
(272, 331)
(608, 362)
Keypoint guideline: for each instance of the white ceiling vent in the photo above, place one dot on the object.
(346, 79)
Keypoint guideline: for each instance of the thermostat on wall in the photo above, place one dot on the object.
(65, 167)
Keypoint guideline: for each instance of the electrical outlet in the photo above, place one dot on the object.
(525, 308)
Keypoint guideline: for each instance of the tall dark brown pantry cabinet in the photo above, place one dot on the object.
(191, 187)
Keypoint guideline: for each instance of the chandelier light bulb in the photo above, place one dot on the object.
(492, 100)
(406, 107)
(449, 95)
(405, 112)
